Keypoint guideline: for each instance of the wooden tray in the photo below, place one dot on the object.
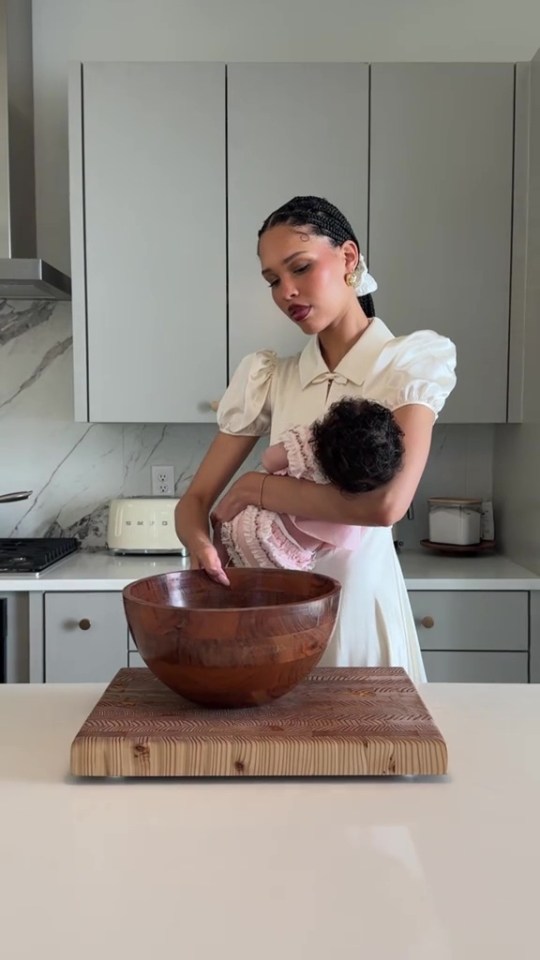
(338, 722)
(460, 549)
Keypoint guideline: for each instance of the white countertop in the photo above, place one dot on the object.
(422, 571)
(388, 869)
(86, 570)
(427, 571)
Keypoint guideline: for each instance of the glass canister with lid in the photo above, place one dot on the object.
(453, 520)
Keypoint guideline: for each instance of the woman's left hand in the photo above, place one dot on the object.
(243, 492)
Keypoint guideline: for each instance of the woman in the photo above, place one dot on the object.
(311, 260)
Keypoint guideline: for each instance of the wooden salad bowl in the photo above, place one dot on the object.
(234, 646)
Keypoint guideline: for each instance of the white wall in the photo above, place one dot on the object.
(358, 30)
(517, 492)
(517, 446)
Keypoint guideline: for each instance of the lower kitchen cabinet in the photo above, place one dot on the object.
(458, 666)
(135, 659)
(473, 636)
(465, 636)
(86, 637)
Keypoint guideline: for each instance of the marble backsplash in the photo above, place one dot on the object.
(75, 469)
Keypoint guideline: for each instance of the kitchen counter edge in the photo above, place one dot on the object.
(103, 571)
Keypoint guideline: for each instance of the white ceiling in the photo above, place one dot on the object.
(368, 30)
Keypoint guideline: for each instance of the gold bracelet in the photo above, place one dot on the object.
(263, 481)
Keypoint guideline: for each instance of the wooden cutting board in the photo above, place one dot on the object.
(338, 722)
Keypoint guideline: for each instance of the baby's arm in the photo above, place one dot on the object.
(275, 458)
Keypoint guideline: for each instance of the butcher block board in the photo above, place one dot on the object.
(337, 722)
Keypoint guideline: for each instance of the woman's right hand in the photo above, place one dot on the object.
(225, 456)
(204, 556)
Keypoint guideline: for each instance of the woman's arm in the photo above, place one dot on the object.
(225, 455)
(312, 501)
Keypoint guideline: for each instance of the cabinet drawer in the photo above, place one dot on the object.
(85, 637)
(471, 620)
(461, 667)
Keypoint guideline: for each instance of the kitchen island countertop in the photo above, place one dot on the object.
(390, 869)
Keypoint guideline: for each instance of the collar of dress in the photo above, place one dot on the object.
(355, 365)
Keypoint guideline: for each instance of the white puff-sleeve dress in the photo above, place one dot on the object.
(267, 395)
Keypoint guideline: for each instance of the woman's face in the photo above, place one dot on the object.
(306, 274)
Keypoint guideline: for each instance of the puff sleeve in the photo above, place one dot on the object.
(419, 368)
(245, 407)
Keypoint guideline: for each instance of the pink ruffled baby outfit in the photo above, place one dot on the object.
(262, 538)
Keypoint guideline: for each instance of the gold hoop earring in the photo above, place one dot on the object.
(351, 279)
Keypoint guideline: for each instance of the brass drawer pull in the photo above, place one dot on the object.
(427, 622)
(84, 624)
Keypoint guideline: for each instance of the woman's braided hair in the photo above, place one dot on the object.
(325, 220)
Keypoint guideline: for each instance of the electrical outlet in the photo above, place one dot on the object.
(162, 481)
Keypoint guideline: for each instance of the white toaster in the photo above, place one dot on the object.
(143, 525)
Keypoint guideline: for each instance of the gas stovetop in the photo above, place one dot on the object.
(29, 555)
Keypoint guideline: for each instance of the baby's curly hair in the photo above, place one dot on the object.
(358, 445)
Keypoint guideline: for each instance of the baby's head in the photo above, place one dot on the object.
(358, 445)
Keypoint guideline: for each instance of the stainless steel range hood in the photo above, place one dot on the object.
(23, 276)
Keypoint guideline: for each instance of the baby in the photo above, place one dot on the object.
(357, 446)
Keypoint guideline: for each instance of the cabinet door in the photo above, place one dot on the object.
(440, 216)
(293, 128)
(461, 667)
(471, 620)
(85, 637)
(535, 636)
(149, 251)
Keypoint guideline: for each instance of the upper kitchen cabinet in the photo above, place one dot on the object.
(440, 216)
(148, 237)
(293, 128)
